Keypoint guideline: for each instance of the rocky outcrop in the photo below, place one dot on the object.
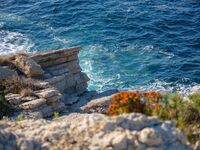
(59, 74)
(26, 65)
(93, 131)
(42, 103)
(62, 70)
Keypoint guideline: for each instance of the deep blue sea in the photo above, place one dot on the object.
(126, 44)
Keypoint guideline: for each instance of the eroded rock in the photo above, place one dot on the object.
(28, 66)
(92, 131)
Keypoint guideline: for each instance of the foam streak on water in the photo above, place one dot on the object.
(140, 44)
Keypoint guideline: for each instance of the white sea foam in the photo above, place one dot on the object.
(2, 24)
(168, 54)
(94, 65)
(163, 86)
(13, 41)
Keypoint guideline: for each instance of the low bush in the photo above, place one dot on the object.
(26, 92)
(169, 106)
(5, 108)
(17, 85)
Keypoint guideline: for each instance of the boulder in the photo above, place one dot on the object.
(28, 66)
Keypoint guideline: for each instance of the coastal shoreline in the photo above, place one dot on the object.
(60, 113)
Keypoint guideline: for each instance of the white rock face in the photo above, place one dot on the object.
(91, 131)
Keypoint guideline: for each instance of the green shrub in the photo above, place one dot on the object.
(168, 106)
(55, 116)
(20, 117)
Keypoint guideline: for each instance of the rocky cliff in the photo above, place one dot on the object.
(40, 84)
(57, 73)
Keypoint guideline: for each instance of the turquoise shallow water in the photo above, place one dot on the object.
(141, 44)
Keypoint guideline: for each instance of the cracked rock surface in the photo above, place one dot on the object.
(92, 131)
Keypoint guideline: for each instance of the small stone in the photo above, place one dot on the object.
(26, 145)
(150, 137)
(120, 142)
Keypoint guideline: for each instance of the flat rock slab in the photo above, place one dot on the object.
(54, 54)
(33, 104)
(17, 99)
(47, 93)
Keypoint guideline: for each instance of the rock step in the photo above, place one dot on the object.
(47, 93)
(57, 79)
(17, 99)
(48, 110)
(57, 61)
(72, 67)
(33, 104)
(55, 54)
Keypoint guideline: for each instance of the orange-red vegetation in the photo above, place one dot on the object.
(127, 102)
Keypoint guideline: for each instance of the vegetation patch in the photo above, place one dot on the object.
(21, 85)
(169, 106)
(5, 108)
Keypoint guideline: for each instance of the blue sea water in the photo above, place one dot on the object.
(126, 44)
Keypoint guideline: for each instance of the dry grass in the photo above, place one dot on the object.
(27, 92)
(5, 60)
(18, 84)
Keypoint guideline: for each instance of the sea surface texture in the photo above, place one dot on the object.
(126, 44)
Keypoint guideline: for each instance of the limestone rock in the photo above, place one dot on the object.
(33, 104)
(91, 131)
(150, 137)
(17, 99)
(28, 66)
(51, 56)
(47, 93)
(98, 102)
(5, 73)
